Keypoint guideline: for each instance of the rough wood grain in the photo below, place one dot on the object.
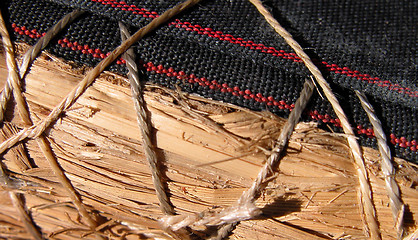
(98, 145)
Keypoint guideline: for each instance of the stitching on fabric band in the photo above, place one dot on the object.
(214, 85)
(260, 47)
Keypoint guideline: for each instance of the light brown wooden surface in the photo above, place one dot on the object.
(98, 144)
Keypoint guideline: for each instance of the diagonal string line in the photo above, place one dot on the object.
(31, 54)
(245, 208)
(14, 84)
(370, 220)
(37, 129)
(388, 170)
(145, 125)
(13, 80)
(259, 184)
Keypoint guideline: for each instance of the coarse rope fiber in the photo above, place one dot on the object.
(13, 83)
(388, 170)
(244, 208)
(145, 126)
(37, 129)
(266, 73)
(371, 224)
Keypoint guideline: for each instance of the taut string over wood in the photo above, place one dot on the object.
(145, 126)
(33, 52)
(37, 129)
(245, 208)
(268, 169)
(365, 189)
(107, 165)
(388, 170)
(13, 76)
(13, 84)
(92, 176)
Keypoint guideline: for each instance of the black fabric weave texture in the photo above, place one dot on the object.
(226, 51)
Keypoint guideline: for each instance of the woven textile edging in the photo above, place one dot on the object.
(397, 119)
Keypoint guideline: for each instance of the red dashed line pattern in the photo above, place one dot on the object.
(366, 77)
(229, 38)
(403, 142)
(126, 7)
(214, 85)
(85, 49)
(33, 33)
(324, 118)
(260, 47)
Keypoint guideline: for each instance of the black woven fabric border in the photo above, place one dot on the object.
(225, 50)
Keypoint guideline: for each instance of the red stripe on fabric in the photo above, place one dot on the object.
(128, 7)
(261, 47)
(214, 85)
(229, 38)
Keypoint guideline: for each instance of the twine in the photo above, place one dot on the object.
(37, 129)
(245, 208)
(18, 203)
(33, 52)
(13, 83)
(13, 79)
(370, 220)
(145, 125)
(388, 170)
